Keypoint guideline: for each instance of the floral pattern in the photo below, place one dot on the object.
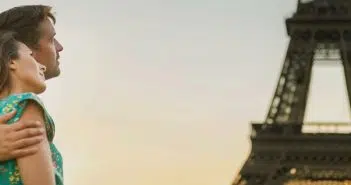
(9, 172)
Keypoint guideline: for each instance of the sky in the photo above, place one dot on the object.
(163, 92)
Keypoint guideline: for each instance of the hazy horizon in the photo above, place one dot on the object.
(163, 92)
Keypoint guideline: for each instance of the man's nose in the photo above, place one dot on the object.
(58, 46)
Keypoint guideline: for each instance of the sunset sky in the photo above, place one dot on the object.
(162, 92)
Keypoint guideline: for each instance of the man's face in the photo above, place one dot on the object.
(48, 49)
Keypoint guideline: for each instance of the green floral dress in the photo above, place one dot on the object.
(9, 172)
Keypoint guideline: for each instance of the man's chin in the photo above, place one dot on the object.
(53, 74)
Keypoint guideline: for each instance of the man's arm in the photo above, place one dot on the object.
(20, 138)
(36, 169)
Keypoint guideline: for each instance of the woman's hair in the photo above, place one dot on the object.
(8, 52)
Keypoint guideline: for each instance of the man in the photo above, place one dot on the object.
(34, 27)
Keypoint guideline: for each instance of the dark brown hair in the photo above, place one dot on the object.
(8, 52)
(25, 21)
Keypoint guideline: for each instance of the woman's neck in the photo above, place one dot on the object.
(14, 88)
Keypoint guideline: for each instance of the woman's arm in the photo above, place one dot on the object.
(36, 169)
(18, 139)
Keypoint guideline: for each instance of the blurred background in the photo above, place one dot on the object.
(162, 92)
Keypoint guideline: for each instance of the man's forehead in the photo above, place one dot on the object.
(47, 27)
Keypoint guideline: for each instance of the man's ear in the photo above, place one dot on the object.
(13, 65)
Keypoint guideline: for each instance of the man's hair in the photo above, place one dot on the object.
(25, 21)
(8, 52)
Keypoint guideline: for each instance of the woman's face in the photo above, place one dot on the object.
(26, 72)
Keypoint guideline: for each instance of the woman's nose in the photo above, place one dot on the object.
(43, 68)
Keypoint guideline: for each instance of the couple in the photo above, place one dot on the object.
(29, 55)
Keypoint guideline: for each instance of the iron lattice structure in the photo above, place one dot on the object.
(282, 153)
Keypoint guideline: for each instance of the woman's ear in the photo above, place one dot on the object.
(13, 65)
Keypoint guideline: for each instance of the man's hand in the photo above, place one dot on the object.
(20, 138)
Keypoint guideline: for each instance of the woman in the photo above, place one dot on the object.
(21, 79)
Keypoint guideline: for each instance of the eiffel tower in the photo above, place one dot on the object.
(283, 152)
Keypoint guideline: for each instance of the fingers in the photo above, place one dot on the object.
(4, 118)
(25, 151)
(26, 124)
(27, 142)
(27, 133)
(21, 138)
